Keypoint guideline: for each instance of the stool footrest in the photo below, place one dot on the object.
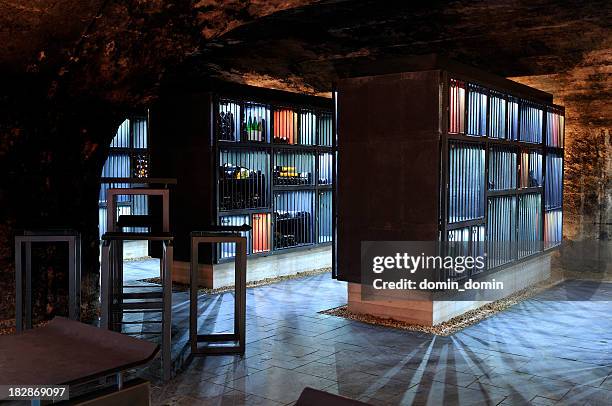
(217, 350)
(213, 338)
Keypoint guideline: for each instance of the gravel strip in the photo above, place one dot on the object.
(452, 326)
(252, 284)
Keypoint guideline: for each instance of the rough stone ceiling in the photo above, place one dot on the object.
(120, 50)
(312, 45)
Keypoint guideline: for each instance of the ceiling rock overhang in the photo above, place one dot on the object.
(120, 51)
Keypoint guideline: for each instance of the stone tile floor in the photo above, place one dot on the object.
(543, 351)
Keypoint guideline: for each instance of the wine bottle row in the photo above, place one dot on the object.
(254, 122)
(291, 223)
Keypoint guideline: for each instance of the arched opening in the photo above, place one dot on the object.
(128, 160)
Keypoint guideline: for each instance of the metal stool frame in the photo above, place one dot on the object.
(239, 334)
(25, 240)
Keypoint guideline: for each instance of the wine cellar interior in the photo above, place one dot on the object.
(299, 202)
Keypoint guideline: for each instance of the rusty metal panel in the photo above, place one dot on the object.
(388, 169)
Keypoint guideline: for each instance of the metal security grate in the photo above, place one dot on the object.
(226, 249)
(501, 230)
(285, 126)
(530, 169)
(555, 129)
(531, 123)
(472, 239)
(553, 228)
(477, 111)
(308, 128)
(255, 126)
(466, 182)
(529, 224)
(497, 116)
(242, 179)
(502, 168)
(324, 219)
(456, 122)
(122, 136)
(325, 129)
(228, 121)
(325, 169)
(554, 182)
(293, 169)
(293, 218)
(513, 120)
(261, 232)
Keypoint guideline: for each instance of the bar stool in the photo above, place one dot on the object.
(116, 302)
(25, 240)
(219, 234)
(111, 194)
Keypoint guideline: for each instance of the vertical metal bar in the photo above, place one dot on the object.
(71, 279)
(105, 286)
(240, 315)
(193, 296)
(28, 284)
(18, 285)
(78, 266)
(167, 315)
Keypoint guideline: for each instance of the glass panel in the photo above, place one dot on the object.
(502, 168)
(555, 128)
(477, 111)
(530, 169)
(139, 129)
(261, 232)
(293, 219)
(242, 179)
(553, 228)
(228, 249)
(324, 225)
(554, 182)
(456, 104)
(308, 128)
(325, 169)
(285, 126)
(529, 224)
(466, 182)
(501, 230)
(531, 123)
(497, 117)
(325, 129)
